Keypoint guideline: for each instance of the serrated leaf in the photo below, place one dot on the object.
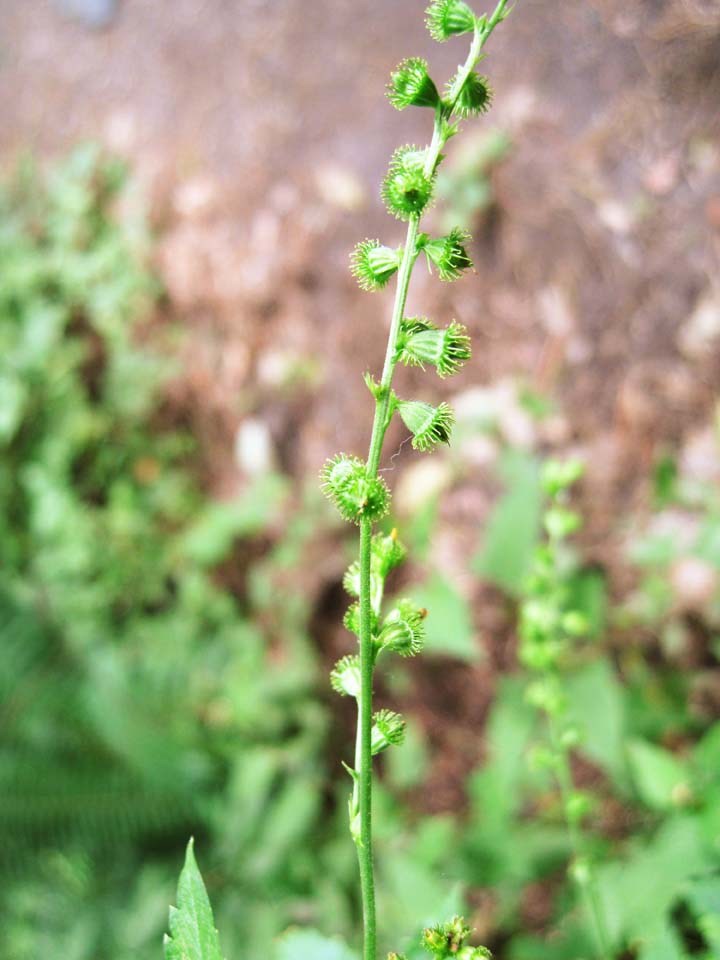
(192, 928)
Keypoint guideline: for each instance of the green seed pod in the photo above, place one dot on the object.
(411, 85)
(373, 265)
(429, 425)
(575, 624)
(447, 18)
(474, 953)
(475, 96)
(351, 579)
(387, 553)
(388, 730)
(546, 695)
(403, 630)
(351, 620)
(345, 676)
(356, 496)
(421, 342)
(407, 190)
(560, 523)
(578, 806)
(559, 475)
(449, 254)
(571, 737)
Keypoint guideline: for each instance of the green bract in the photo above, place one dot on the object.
(345, 676)
(446, 18)
(475, 96)
(403, 630)
(388, 730)
(421, 342)
(373, 264)
(407, 189)
(429, 425)
(410, 85)
(449, 254)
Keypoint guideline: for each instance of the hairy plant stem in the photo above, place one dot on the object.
(362, 791)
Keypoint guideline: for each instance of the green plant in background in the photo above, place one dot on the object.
(355, 486)
(466, 184)
(136, 700)
(549, 628)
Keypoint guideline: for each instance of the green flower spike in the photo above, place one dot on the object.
(449, 254)
(345, 483)
(407, 190)
(429, 425)
(422, 342)
(447, 18)
(411, 85)
(345, 676)
(403, 630)
(388, 730)
(372, 264)
(475, 97)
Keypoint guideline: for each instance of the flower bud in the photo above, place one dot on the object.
(421, 342)
(449, 254)
(372, 264)
(345, 676)
(387, 553)
(403, 630)
(474, 953)
(446, 18)
(351, 579)
(410, 85)
(560, 523)
(407, 189)
(447, 939)
(475, 96)
(355, 495)
(571, 737)
(351, 620)
(575, 624)
(559, 475)
(388, 730)
(434, 940)
(546, 695)
(578, 806)
(429, 425)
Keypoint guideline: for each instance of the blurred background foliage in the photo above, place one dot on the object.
(171, 596)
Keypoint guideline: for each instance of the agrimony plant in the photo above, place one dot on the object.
(354, 485)
(549, 629)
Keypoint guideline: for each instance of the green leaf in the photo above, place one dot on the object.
(192, 929)
(656, 773)
(210, 538)
(596, 704)
(310, 945)
(513, 527)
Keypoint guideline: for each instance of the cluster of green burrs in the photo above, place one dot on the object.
(550, 629)
(352, 484)
(446, 941)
